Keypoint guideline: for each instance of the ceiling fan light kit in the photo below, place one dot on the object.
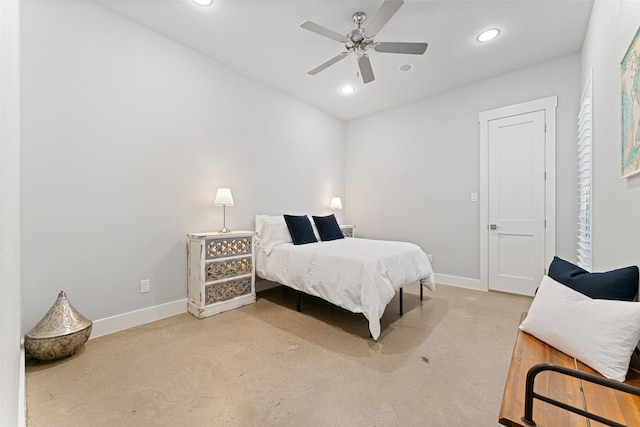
(359, 40)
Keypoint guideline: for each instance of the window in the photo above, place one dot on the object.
(584, 179)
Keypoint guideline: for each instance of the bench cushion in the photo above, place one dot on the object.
(599, 333)
(620, 284)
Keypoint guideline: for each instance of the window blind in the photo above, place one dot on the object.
(584, 179)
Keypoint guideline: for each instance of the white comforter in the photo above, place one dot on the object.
(360, 275)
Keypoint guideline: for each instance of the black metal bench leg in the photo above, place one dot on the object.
(401, 308)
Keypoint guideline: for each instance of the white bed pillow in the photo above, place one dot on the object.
(271, 231)
(261, 220)
(315, 229)
(599, 333)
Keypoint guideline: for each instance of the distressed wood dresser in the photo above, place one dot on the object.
(221, 272)
(348, 230)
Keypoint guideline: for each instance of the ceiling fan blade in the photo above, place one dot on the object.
(328, 63)
(399, 47)
(365, 69)
(382, 16)
(323, 31)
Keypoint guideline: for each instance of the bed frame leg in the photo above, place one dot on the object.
(299, 301)
(401, 308)
(421, 289)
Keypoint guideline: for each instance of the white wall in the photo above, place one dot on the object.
(411, 169)
(616, 202)
(11, 356)
(126, 136)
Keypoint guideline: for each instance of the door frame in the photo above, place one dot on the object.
(549, 106)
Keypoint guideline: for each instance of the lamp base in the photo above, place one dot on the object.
(224, 220)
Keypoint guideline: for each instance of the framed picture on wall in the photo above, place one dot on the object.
(630, 96)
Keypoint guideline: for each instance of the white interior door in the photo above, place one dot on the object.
(516, 202)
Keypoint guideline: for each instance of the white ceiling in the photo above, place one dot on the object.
(262, 39)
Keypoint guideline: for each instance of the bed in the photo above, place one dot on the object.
(360, 275)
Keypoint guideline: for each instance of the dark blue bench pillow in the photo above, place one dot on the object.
(620, 284)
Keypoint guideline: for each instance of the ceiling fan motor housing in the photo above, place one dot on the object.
(357, 41)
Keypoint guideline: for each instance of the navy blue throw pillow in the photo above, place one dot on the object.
(300, 229)
(620, 284)
(328, 227)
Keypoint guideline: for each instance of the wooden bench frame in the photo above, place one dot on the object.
(571, 392)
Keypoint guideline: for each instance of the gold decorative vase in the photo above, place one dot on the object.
(60, 333)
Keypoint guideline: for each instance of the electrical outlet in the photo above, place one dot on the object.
(145, 286)
(430, 257)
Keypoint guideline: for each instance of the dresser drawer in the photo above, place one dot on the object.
(223, 269)
(227, 290)
(220, 248)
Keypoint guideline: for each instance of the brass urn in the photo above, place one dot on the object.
(60, 333)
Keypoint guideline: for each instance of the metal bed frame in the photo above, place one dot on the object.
(299, 298)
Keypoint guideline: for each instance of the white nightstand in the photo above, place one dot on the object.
(221, 272)
(348, 230)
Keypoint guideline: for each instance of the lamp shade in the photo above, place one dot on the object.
(223, 197)
(336, 203)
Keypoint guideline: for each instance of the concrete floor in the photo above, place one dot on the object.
(443, 363)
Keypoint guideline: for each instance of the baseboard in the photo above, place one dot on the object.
(22, 390)
(120, 322)
(460, 282)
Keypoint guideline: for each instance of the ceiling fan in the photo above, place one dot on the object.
(360, 40)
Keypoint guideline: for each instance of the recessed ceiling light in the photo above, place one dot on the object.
(487, 35)
(405, 67)
(203, 2)
(347, 90)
